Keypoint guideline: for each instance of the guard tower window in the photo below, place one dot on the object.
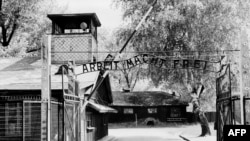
(72, 23)
(72, 31)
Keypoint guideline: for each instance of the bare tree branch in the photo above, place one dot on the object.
(0, 5)
(32, 50)
(12, 32)
(136, 78)
(12, 21)
(4, 32)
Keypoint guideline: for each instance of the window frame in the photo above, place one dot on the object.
(128, 110)
(152, 110)
(175, 112)
(18, 109)
(27, 118)
(22, 117)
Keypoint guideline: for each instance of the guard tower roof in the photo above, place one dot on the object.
(74, 17)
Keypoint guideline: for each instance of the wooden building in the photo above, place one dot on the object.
(20, 104)
(36, 103)
(150, 106)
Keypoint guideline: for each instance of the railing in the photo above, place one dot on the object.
(79, 47)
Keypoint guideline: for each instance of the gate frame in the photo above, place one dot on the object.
(224, 97)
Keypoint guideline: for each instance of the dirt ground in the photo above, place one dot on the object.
(170, 133)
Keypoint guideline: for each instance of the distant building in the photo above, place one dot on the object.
(146, 105)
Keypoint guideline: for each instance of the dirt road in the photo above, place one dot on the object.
(138, 138)
(142, 134)
(157, 134)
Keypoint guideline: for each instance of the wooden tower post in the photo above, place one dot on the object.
(73, 38)
(46, 89)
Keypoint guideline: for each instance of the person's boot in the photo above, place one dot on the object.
(203, 131)
(208, 132)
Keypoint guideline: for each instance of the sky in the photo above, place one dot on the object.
(109, 16)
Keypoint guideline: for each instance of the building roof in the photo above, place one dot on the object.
(101, 108)
(25, 74)
(74, 17)
(145, 98)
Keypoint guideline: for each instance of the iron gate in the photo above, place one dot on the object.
(224, 111)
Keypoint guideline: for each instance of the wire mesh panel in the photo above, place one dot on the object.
(247, 111)
(90, 126)
(21, 121)
(44, 120)
(11, 121)
(56, 122)
(32, 121)
(72, 47)
(68, 122)
(236, 111)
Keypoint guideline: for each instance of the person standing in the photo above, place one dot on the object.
(197, 110)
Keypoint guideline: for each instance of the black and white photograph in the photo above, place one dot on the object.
(124, 70)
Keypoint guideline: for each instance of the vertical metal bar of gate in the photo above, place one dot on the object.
(244, 109)
(63, 103)
(74, 121)
(230, 93)
(233, 112)
(241, 85)
(23, 103)
(49, 87)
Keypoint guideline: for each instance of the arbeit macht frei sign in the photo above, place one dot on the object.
(143, 59)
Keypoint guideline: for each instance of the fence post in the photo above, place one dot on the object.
(136, 122)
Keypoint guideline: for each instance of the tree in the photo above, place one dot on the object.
(23, 23)
(187, 29)
(124, 78)
(8, 23)
(184, 29)
(11, 12)
(131, 77)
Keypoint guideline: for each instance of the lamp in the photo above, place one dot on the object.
(83, 25)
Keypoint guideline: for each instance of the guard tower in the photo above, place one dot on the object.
(74, 37)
